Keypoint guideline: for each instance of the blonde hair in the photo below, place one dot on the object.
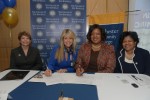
(60, 51)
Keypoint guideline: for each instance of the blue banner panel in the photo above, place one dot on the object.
(50, 17)
(113, 33)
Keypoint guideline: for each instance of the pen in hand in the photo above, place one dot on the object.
(79, 71)
(47, 72)
(46, 66)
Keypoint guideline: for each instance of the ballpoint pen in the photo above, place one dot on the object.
(136, 78)
(61, 95)
(139, 78)
(80, 68)
(46, 66)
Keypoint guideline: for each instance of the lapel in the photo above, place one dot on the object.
(88, 53)
(22, 52)
(29, 51)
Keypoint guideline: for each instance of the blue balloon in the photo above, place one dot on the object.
(2, 6)
(9, 3)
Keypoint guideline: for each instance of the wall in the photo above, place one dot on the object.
(94, 7)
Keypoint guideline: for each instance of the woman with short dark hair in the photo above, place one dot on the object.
(25, 57)
(132, 59)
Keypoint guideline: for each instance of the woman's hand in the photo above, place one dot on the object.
(48, 72)
(79, 71)
(62, 70)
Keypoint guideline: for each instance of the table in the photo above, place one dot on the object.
(103, 86)
(118, 87)
(7, 86)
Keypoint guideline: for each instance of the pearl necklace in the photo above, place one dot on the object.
(129, 56)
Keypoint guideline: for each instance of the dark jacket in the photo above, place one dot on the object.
(32, 61)
(141, 62)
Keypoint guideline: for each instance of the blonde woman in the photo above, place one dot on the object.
(63, 56)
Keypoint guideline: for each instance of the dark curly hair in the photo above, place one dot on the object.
(96, 26)
(132, 34)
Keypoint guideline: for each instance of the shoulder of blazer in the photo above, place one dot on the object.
(139, 52)
(16, 49)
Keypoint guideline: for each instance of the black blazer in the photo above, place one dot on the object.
(32, 61)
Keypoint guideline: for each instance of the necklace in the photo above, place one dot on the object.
(129, 56)
(96, 47)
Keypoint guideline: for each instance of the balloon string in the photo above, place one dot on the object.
(10, 31)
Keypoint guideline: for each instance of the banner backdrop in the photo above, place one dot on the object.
(139, 21)
(50, 17)
(113, 25)
(113, 33)
(141, 24)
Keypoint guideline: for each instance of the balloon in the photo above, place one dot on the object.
(9, 3)
(10, 16)
(2, 6)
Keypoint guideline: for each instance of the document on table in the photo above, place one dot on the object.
(48, 80)
(57, 78)
(84, 79)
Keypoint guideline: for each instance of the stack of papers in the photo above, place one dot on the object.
(57, 78)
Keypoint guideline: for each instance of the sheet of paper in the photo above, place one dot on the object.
(48, 80)
(71, 78)
(84, 79)
(57, 78)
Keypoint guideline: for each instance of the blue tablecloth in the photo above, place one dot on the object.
(39, 91)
